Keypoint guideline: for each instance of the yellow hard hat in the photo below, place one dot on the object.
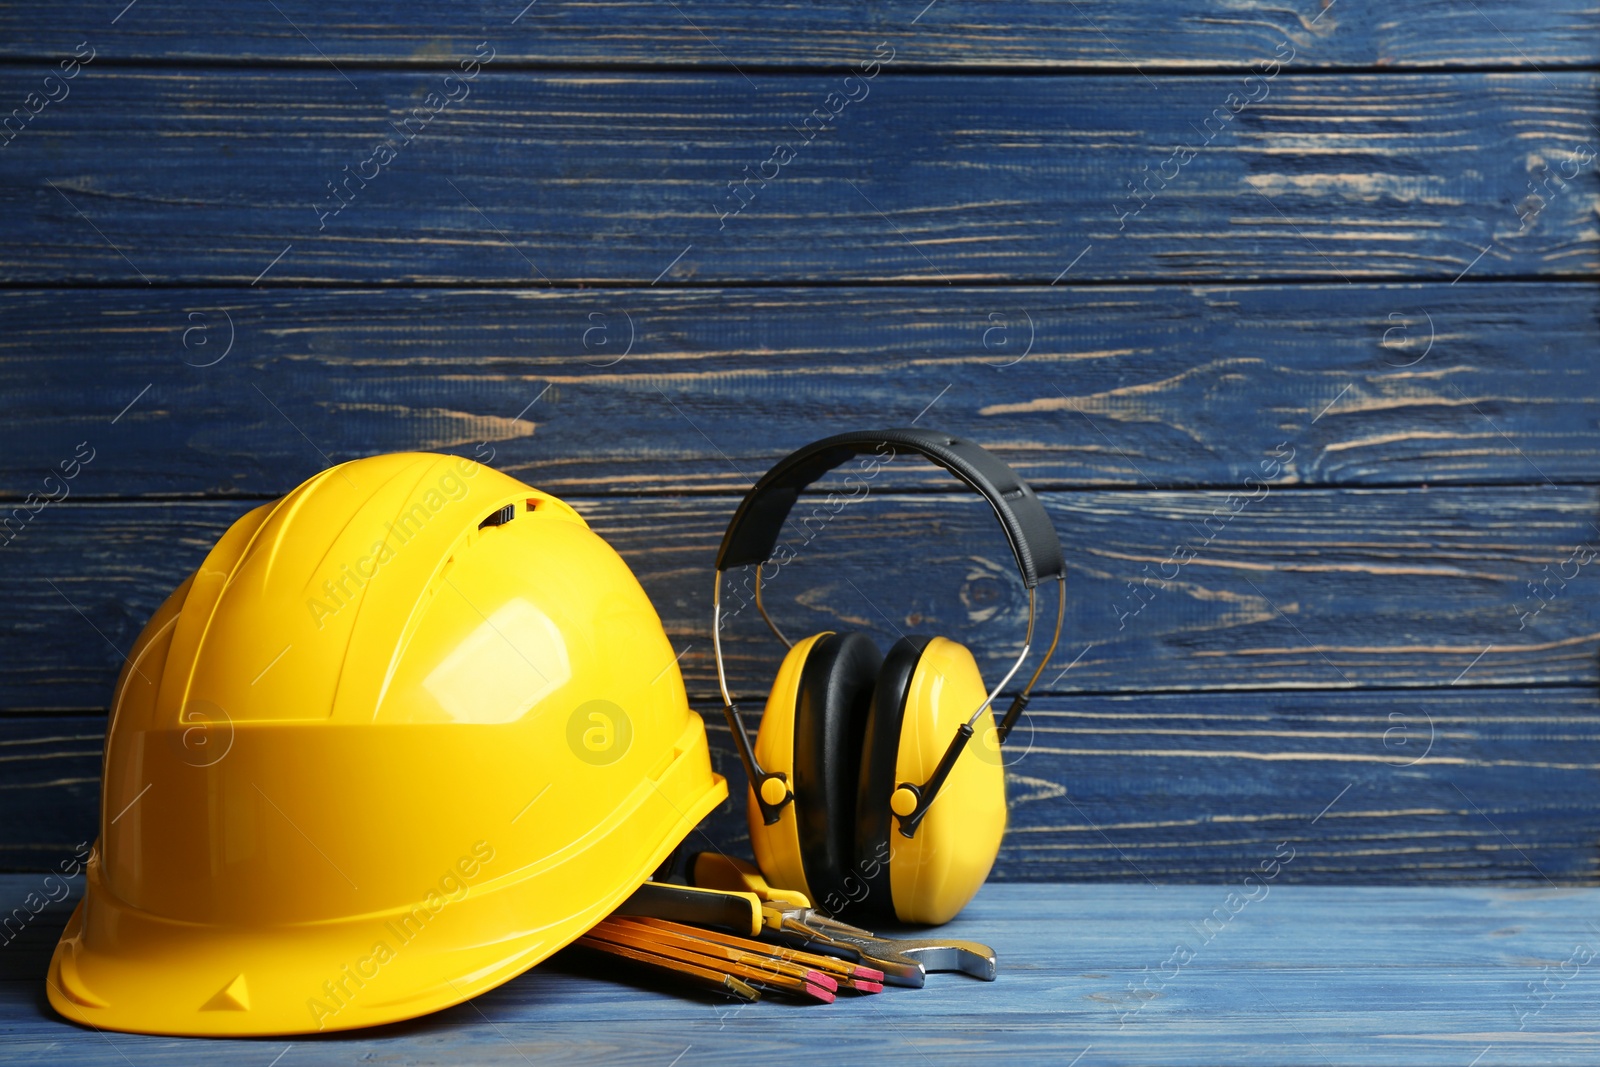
(405, 733)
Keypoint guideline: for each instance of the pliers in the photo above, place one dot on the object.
(787, 917)
(903, 961)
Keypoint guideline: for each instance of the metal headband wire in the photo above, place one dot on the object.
(763, 609)
(1027, 643)
(930, 789)
(741, 738)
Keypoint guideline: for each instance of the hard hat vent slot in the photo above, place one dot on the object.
(501, 517)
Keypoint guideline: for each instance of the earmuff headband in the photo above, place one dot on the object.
(752, 535)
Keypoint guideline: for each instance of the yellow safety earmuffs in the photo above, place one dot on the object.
(854, 746)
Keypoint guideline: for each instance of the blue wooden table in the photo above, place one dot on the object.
(1090, 975)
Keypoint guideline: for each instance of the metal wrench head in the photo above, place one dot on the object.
(968, 957)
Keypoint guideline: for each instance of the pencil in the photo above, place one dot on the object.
(782, 976)
(687, 939)
(713, 979)
(754, 970)
(861, 978)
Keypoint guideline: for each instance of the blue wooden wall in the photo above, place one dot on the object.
(1289, 310)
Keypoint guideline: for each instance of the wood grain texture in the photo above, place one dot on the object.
(696, 390)
(1324, 976)
(1300, 589)
(1384, 263)
(49, 787)
(1094, 34)
(174, 176)
(1447, 785)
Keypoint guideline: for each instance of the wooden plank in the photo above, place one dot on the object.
(1298, 589)
(1324, 976)
(49, 788)
(1436, 785)
(176, 176)
(695, 390)
(1335, 588)
(1094, 34)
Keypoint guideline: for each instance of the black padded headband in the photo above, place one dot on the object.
(753, 532)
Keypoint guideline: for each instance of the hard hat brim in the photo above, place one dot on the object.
(119, 968)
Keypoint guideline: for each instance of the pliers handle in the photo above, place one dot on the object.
(787, 916)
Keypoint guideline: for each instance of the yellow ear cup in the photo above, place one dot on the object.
(777, 847)
(934, 874)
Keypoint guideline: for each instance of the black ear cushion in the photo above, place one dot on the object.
(880, 751)
(835, 694)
